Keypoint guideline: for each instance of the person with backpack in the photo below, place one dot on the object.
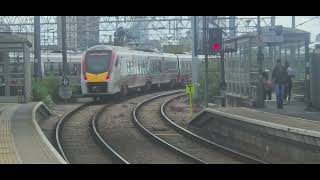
(279, 77)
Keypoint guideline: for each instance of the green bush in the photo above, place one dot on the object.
(40, 93)
(52, 83)
(46, 90)
(213, 81)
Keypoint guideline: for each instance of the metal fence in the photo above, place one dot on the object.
(315, 78)
(242, 73)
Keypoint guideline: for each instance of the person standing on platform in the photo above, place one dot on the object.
(290, 76)
(279, 78)
(267, 84)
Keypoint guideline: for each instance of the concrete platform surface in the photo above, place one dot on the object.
(293, 109)
(21, 141)
(282, 117)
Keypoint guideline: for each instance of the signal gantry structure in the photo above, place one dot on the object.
(166, 30)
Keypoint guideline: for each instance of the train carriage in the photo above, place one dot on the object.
(51, 64)
(108, 70)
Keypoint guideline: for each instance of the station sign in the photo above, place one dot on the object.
(271, 35)
(231, 46)
(190, 89)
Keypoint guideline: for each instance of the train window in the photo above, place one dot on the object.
(182, 66)
(59, 70)
(140, 67)
(146, 67)
(164, 67)
(127, 66)
(159, 66)
(130, 66)
(153, 67)
(117, 62)
(56, 68)
(47, 68)
(135, 68)
(98, 63)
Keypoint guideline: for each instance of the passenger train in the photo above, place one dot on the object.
(108, 70)
(51, 63)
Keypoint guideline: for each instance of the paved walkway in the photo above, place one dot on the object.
(293, 115)
(8, 152)
(20, 140)
(293, 109)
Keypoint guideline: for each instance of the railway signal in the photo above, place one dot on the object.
(215, 40)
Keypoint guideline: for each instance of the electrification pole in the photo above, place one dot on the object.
(307, 76)
(273, 20)
(259, 99)
(64, 48)
(293, 22)
(205, 48)
(37, 48)
(222, 79)
(194, 54)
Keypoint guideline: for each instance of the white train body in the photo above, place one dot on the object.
(110, 69)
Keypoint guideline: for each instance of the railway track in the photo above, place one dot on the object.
(202, 140)
(149, 116)
(115, 127)
(79, 141)
(82, 136)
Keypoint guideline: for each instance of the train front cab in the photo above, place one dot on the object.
(96, 72)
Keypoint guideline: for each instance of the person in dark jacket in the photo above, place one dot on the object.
(279, 77)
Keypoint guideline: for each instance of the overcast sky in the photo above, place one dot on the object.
(312, 26)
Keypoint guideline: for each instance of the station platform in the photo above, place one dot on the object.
(293, 115)
(291, 135)
(21, 139)
(293, 109)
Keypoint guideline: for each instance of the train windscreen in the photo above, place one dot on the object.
(98, 62)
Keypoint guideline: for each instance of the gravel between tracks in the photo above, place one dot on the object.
(178, 111)
(78, 142)
(48, 126)
(149, 116)
(117, 129)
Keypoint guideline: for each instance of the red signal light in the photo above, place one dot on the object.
(108, 77)
(85, 78)
(215, 46)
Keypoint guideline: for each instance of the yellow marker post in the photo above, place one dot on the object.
(190, 91)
